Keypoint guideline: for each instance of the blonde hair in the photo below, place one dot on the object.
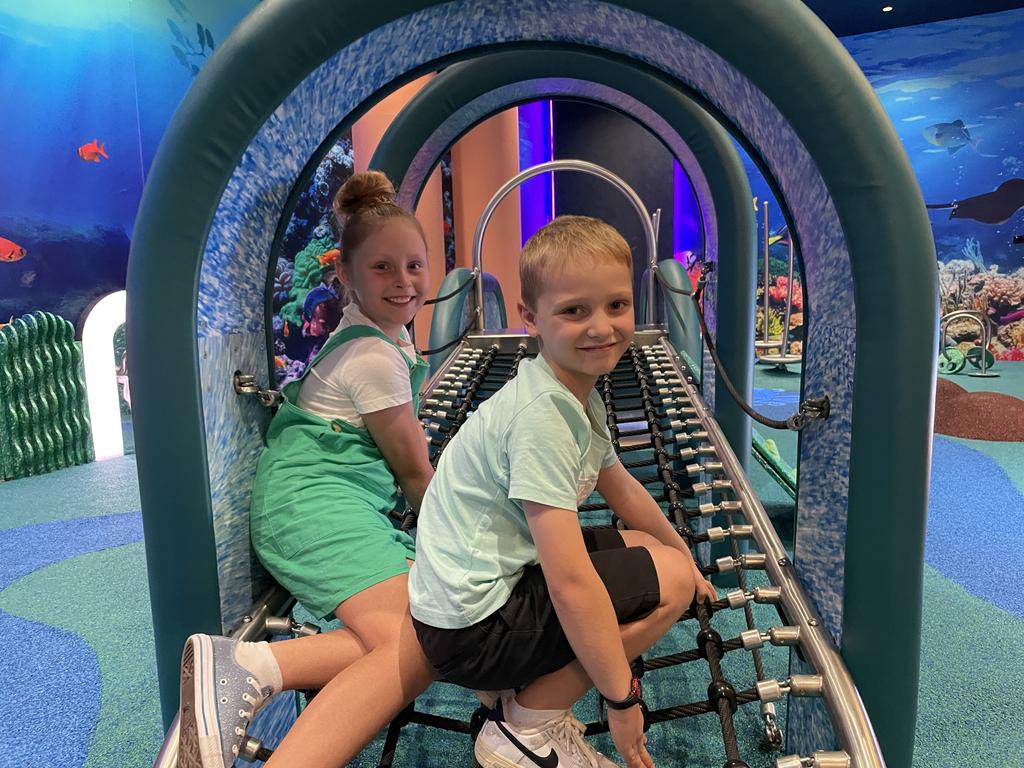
(568, 242)
(363, 203)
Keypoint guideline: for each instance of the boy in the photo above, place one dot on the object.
(507, 590)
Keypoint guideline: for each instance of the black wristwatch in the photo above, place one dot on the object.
(631, 700)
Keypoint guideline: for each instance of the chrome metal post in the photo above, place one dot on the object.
(650, 238)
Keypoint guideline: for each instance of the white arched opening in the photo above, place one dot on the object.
(102, 322)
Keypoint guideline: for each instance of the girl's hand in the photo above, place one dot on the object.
(627, 730)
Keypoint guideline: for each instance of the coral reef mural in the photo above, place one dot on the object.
(955, 93)
(448, 212)
(307, 296)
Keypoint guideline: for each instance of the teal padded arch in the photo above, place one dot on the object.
(683, 325)
(451, 318)
(429, 124)
(771, 69)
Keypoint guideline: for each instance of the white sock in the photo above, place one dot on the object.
(529, 718)
(259, 659)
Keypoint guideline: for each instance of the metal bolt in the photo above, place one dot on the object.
(783, 562)
(813, 622)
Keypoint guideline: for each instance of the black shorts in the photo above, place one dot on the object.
(523, 639)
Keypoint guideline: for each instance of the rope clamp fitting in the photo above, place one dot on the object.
(245, 384)
(810, 409)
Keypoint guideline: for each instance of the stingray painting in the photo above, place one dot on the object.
(993, 207)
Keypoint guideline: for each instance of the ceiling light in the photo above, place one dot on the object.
(886, 8)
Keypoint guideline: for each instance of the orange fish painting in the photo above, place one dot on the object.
(93, 151)
(329, 257)
(11, 251)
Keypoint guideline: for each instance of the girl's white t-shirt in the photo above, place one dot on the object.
(365, 375)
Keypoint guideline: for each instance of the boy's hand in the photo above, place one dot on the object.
(704, 590)
(627, 730)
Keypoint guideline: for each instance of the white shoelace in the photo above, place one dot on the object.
(568, 732)
(246, 715)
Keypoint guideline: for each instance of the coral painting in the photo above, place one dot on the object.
(307, 298)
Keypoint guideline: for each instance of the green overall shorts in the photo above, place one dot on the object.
(319, 520)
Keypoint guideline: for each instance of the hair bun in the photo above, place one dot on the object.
(368, 189)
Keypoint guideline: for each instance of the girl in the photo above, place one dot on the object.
(346, 433)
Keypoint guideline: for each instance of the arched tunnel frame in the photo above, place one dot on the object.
(223, 172)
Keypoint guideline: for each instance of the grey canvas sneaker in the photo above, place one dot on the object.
(219, 698)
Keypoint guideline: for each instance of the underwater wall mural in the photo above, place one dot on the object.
(88, 91)
(954, 91)
(308, 295)
(90, 88)
(309, 299)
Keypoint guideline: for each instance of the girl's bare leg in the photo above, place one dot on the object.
(312, 662)
(364, 696)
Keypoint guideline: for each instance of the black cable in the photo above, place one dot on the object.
(449, 345)
(456, 292)
(773, 423)
(721, 692)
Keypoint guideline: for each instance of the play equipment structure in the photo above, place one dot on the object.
(776, 351)
(952, 359)
(250, 134)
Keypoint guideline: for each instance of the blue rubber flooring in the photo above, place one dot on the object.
(975, 518)
(52, 723)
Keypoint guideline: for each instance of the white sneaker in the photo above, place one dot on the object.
(558, 743)
(490, 698)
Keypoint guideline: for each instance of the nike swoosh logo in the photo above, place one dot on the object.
(548, 761)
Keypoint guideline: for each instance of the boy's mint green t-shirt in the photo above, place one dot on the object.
(531, 441)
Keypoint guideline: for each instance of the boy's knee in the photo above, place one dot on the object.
(675, 576)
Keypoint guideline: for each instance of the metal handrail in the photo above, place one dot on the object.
(984, 328)
(854, 729)
(650, 236)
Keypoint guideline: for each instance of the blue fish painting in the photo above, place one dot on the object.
(950, 136)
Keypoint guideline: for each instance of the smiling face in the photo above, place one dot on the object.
(583, 319)
(387, 274)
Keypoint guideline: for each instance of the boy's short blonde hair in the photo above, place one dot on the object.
(568, 242)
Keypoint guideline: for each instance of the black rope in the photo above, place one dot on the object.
(449, 345)
(469, 281)
(685, 657)
(514, 369)
(733, 393)
(605, 385)
(747, 696)
(465, 406)
(741, 580)
(721, 692)
(673, 492)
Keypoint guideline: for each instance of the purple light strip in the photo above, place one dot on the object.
(536, 145)
(687, 238)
